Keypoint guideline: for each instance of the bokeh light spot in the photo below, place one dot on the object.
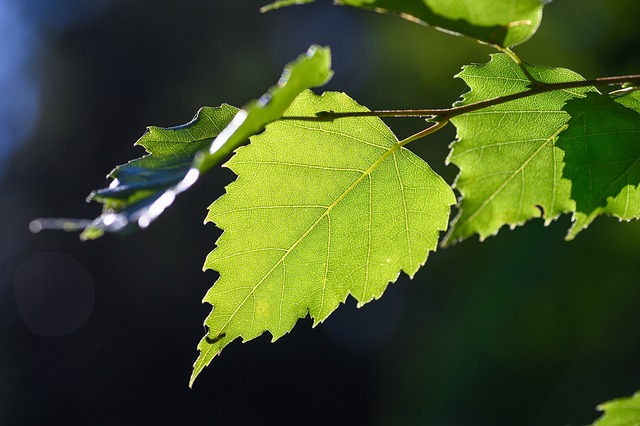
(54, 294)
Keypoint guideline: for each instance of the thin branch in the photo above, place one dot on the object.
(546, 87)
(443, 114)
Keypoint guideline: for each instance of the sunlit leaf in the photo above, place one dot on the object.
(320, 210)
(510, 168)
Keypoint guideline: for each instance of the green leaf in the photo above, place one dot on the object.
(139, 185)
(171, 152)
(510, 168)
(143, 188)
(500, 22)
(602, 155)
(320, 210)
(620, 412)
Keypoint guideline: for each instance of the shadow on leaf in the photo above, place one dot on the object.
(602, 157)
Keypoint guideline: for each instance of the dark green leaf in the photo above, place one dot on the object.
(500, 22)
(602, 156)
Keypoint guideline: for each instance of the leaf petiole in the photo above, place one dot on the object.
(421, 134)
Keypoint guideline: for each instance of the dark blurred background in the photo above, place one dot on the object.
(523, 329)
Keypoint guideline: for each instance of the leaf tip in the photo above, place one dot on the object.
(194, 375)
(203, 360)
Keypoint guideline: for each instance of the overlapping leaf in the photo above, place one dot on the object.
(510, 168)
(320, 210)
(501, 22)
(602, 155)
(620, 412)
(143, 188)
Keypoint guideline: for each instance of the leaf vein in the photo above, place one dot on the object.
(390, 150)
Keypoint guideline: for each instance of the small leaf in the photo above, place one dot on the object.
(142, 189)
(171, 151)
(320, 210)
(503, 23)
(138, 185)
(620, 412)
(602, 155)
(510, 168)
